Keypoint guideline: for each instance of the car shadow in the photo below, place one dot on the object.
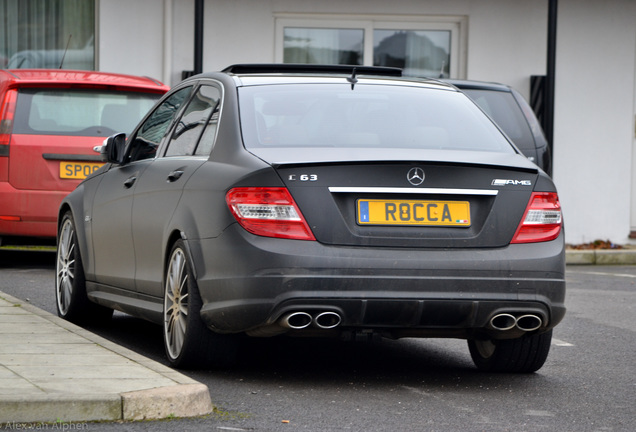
(320, 361)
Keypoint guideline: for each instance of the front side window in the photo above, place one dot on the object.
(145, 143)
(369, 116)
(55, 34)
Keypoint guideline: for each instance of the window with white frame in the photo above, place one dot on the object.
(58, 34)
(422, 46)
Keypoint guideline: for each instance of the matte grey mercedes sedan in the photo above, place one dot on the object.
(317, 201)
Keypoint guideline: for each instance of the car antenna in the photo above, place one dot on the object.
(441, 71)
(352, 79)
(65, 50)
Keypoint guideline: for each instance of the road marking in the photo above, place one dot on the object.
(539, 413)
(231, 428)
(558, 342)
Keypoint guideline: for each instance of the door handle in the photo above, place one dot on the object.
(130, 181)
(175, 175)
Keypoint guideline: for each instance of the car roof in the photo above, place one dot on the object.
(289, 73)
(56, 77)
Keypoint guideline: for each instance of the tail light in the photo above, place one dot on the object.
(7, 111)
(268, 212)
(542, 220)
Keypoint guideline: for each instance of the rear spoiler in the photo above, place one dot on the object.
(269, 68)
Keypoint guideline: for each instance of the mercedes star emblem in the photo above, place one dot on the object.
(415, 176)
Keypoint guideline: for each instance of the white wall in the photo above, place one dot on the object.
(594, 117)
(506, 40)
(130, 37)
(131, 33)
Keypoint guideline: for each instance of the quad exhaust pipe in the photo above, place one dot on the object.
(301, 320)
(327, 320)
(296, 320)
(506, 321)
(528, 322)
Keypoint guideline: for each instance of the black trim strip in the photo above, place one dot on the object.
(4, 149)
(71, 157)
(259, 68)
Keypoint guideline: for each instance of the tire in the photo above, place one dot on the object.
(188, 342)
(526, 354)
(70, 284)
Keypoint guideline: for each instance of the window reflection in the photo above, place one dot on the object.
(57, 34)
(202, 111)
(326, 46)
(145, 143)
(418, 53)
(421, 53)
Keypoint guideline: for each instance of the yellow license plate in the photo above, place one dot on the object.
(78, 170)
(407, 212)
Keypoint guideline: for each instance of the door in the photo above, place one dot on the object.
(115, 259)
(112, 229)
(160, 188)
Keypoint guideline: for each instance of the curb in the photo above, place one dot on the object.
(184, 398)
(601, 257)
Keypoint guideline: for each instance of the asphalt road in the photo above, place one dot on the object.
(285, 384)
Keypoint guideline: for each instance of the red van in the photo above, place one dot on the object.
(52, 126)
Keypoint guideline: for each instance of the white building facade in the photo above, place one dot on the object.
(594, 144)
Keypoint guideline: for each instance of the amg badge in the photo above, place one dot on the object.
(508, 182)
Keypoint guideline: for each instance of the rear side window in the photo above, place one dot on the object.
(79, 112)
(197, 125)
(504, 110)
(367, 116)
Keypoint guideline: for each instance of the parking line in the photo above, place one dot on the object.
(558, 342)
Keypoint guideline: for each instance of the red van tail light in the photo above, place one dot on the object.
(268, 212)
(7, 111)
(542, 220)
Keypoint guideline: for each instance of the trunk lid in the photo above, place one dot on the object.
(453, 199)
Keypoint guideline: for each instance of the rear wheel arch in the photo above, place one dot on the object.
(187, 340)
(174, 236)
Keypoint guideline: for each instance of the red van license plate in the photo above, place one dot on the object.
(78, 170)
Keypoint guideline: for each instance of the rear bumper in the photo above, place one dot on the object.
(35, 211)
(249, 282)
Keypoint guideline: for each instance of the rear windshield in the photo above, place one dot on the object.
(374, 116)
(79, 112)
(504, 110)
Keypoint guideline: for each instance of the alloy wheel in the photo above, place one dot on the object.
(486, 348)
(176, 304)
(65, 267)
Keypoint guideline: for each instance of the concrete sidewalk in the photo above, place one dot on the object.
(54, 371)
(625, 256)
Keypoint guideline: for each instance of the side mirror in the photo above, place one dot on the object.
(113, 149)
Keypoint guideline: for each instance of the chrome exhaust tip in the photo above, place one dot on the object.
(327, 320)
(296, 320)
(529, 322)
(503, 322)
